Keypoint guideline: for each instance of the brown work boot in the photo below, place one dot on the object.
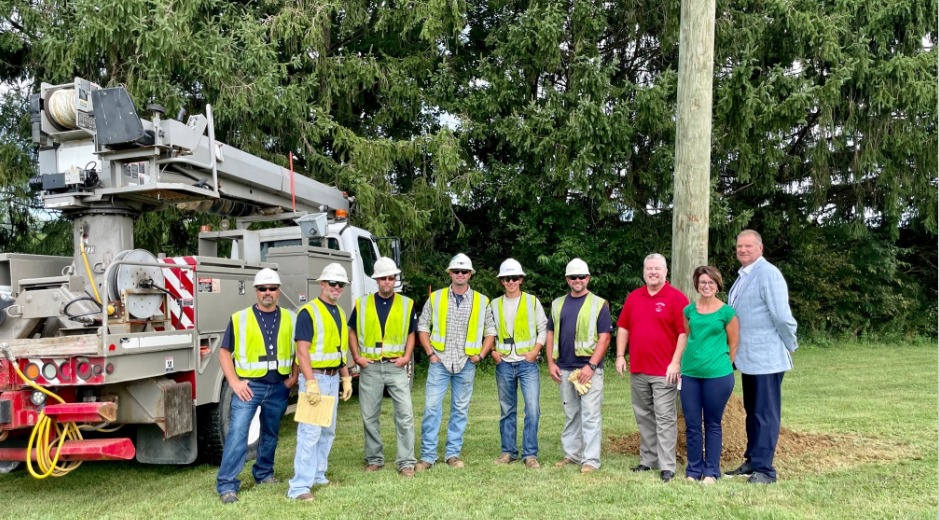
(532, 463)
(423, 465)
(564, 462)
(306, 497)
(408, 472)
(373, 467)
(587, 468)
(454, 462)
(505, 458)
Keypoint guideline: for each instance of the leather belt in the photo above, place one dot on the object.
(389, 360)
(326, 371)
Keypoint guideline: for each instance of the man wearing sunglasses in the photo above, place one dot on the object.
(322, 341)
(520, 324)
(257, 358)
(381, 339)
(577, 339)
(653, 321)
(454, 328)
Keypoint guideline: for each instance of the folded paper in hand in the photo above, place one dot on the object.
(320, 414)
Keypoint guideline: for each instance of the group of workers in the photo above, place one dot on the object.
(675, 348)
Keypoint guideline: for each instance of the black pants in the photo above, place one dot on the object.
(762, 405)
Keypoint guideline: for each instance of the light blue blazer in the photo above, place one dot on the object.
(768, 330)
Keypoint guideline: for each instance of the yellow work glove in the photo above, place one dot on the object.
(313, 392)
(575, 374)
(347, 388)
(583, 389)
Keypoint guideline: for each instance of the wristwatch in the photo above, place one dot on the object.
(592, 365)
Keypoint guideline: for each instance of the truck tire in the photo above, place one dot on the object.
(213, 427)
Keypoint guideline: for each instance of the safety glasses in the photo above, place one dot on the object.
(271, 288)
(578, 277)
(511, 278)
(337, 284)
(386, 279)
(460, 271)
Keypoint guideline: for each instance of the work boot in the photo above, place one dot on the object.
(270, 480)
(229, 497)
(373, 467)
(306, 497)
(408, 472)
(454, 462)
(564, 462)
(587, 468)
(532, 463)
(423, 465)
(505, 458)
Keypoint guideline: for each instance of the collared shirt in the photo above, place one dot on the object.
(510, 306)
(743, 272)
(654, 323)
(458, 318)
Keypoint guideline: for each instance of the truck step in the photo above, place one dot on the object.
(88, 449)
(81, 412)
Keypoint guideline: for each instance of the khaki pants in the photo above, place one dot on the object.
(654, 405)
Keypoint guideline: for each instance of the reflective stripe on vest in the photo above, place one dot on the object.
(250, 347)
(474, 340)
(328, 347)
(372, 345)
(585, 334)
(524, 331)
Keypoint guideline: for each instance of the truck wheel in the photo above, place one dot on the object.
(213, 428)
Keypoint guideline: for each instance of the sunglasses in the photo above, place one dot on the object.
(579, 277)
(460, 271)
(386, 278)
(272, 288)
(337, 284)
(511, 278)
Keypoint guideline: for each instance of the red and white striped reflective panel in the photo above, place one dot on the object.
(180, 283)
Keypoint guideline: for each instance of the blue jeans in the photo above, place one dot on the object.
(272, 399)
(704, 399)
(509, 376)
(461, 385)
(314, 443)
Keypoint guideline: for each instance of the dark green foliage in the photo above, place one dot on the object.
(540, 129)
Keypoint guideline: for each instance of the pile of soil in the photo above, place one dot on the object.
(791, 444)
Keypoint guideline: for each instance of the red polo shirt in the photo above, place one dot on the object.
(654, 324)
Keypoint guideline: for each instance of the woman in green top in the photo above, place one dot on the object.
(707, 375)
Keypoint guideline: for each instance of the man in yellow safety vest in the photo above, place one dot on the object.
(322, 341)
(578, 335)
(257, 358)
(381, 340)
(454, 328)
(520, 324)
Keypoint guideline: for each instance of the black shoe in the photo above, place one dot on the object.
(229, 497)
(666, 475)
(744, 470)
(637, 469)
(760, 478)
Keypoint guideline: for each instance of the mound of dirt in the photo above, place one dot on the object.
(734, 439)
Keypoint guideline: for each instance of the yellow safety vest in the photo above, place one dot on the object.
(250, 347)
(328, 346)
(474, 341)
(585, 334)
(524, 331)
(372, 345)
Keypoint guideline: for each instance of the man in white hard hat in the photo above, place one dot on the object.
(257, 358)
(456, 331)
(381, 340)
(578, 335)
(322, 341)
(653, 322)
(520, 325)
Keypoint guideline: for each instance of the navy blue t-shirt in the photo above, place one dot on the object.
(568, 320)
(269, 331)
(303, 330)
(382, 307)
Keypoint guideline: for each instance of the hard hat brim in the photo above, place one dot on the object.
(386, 273)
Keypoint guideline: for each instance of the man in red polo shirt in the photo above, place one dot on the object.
(652, 320)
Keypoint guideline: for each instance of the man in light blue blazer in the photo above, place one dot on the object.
(768, 338)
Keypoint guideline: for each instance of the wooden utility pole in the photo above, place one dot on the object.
(693, 142)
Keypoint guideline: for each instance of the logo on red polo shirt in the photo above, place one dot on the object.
(660, 307)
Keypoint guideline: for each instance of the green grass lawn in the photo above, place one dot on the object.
(882, 395)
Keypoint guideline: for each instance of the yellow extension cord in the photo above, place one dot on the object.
(40, 439)
(91, 279)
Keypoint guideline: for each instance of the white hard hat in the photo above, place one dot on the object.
(333, 273)
(577, 266)
(267, 276)
(461, 261)
(384, 266)
(510, 268)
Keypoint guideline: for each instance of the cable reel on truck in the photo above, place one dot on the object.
(141, 286)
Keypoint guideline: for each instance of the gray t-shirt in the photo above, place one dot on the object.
(510, 306)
